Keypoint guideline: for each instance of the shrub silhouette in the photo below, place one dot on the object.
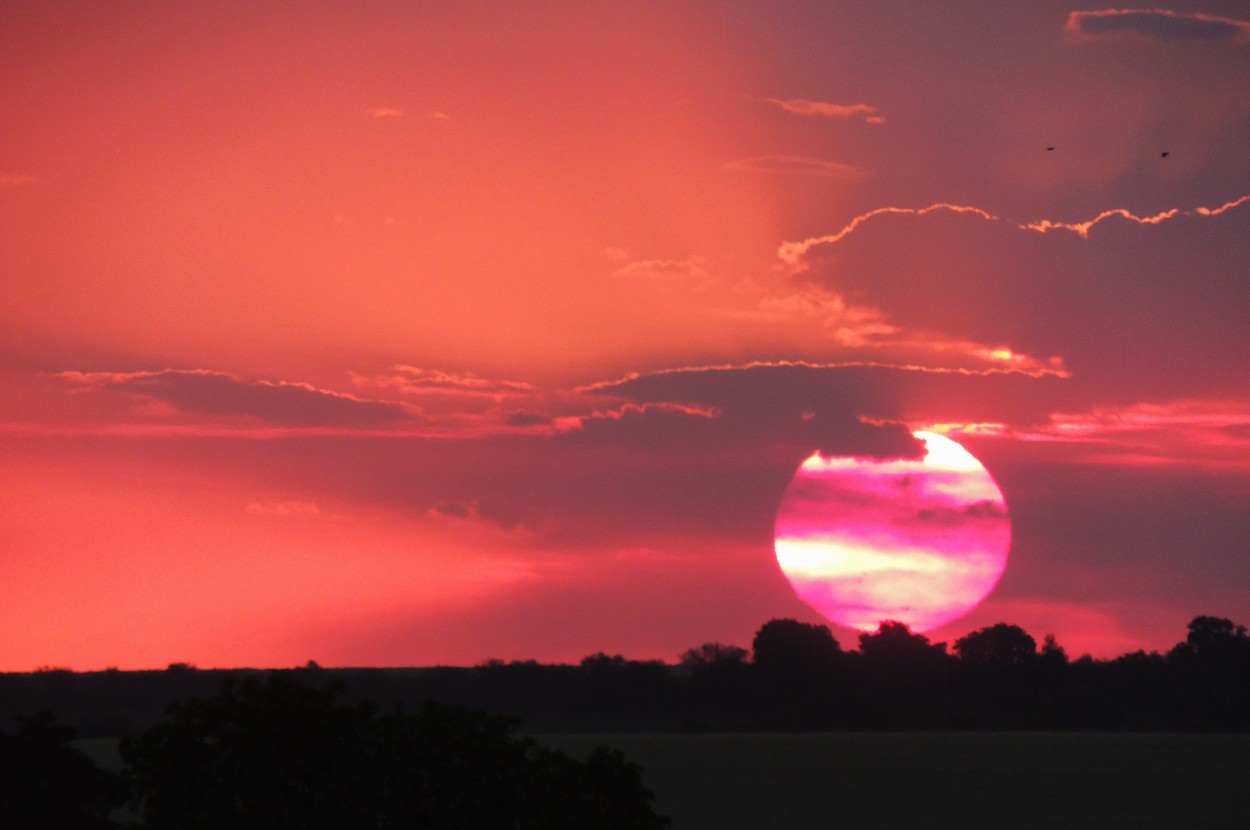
(998, 645)
(47, 785)
(790, 647)
(274, 753)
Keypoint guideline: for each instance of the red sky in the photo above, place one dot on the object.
(400, 334)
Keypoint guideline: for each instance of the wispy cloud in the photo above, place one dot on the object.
(14, 179)
(1206, 434)
(798, 165)
(823, 109)
(858, 406)
(689, 268)
(293, 509)
(1155, 24)
(385, 112)
(414, 380)
(172, 394)
(793, 253)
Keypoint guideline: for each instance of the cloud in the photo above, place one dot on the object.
(14, 179)
(662, 421)
(792, 253)
(464, 402)
(414, 380)
(958, 277)
(949, 516)
(861, 328)
(216, 395)
(454, 510)
(802, 106)
(1155, 24)
(385, 112)
(658, 269)
(1208, 435)
(527, 419)
(834, 405)
(797, 165)
(439, 115)
(285, 509)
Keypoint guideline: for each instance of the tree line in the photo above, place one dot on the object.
(313, 747)
(795, 675)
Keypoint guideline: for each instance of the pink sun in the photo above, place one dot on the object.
(918, 541)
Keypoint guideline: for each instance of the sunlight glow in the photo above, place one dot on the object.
(918, 541)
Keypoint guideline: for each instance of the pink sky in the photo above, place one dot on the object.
(400, 334)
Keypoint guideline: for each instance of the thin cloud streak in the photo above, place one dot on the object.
(803, 106)
(213, 394)
(1155, 24)
(15, 179)
(414, 380)
(660, 269)
(793, 253)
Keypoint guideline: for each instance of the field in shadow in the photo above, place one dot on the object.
(963, 781)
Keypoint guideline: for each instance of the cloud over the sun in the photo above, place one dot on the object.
(1155, 24)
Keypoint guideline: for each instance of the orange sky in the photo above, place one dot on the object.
(382, 333)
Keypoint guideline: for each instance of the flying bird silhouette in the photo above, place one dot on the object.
(1163, 155)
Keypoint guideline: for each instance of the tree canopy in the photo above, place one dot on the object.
(998, 645)
(275, 753)
(45, 784)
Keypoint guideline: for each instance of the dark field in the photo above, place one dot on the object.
(936, 780)
(865, 781)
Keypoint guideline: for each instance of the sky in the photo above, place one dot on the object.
(388, 333)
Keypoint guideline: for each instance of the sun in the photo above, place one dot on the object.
(920, 541)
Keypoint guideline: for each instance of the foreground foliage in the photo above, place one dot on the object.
(47, 785)
(273, 753)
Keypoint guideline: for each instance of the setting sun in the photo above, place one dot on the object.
(916, 541)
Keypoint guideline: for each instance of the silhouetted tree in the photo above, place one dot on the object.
(1213, 667)
(997, 645)
(1052, 653)
(997, 679)
(47, 785)
(1213, 639)
(790, 647)
(718, 687)
(273, 753)
(905, 679)
(893, 644)
(801, 677)
(710, 654)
